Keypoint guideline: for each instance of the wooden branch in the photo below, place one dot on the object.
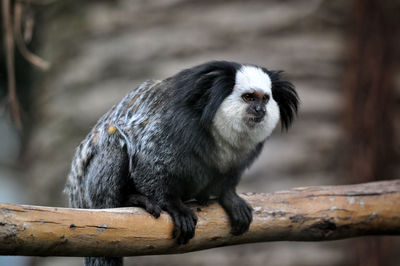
(300, 214)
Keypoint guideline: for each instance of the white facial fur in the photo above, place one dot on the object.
(230, 125)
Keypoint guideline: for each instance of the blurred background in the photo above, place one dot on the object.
(343, 57)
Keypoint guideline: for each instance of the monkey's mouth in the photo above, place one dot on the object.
(255, 119)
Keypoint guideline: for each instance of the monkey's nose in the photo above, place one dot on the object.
(257, 113)
(259, 110)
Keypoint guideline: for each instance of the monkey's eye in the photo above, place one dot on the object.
(266, 98)
(248, 97)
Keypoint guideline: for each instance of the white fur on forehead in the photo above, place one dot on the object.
(251, 78)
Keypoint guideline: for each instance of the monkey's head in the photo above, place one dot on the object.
(250, 109)
(238, 101)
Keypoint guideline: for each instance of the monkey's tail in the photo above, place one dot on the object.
(103, 261)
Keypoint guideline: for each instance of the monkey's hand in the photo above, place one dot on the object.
(239, 211)
(184, 220)
(148, 204)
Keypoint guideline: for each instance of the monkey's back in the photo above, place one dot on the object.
(126, 125)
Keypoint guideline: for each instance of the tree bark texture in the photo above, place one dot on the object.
(369, 113)
(301, 214)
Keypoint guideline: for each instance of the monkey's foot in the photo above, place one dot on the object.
(202, 200)
(241, 217)
(148, 204)
(239, 211)
(184, 223)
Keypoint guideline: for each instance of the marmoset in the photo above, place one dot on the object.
(189, 136)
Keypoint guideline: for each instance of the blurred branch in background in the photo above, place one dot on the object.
(9, 51)
(12, 23)
(369, 103)
(301, 214)
(20, 40)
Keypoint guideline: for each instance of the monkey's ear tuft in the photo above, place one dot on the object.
(285, 95)
(206, 87)
(220, 88)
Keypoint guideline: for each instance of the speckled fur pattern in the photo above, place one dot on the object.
(166, 143)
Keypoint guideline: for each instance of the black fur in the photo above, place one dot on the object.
(156, 150)
(286, 96)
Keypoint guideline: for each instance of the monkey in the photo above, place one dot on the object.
(189, 136)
